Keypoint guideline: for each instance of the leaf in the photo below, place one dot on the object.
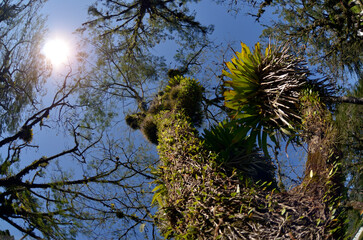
(142, 227)
(251, 140)
(264, 144)
(257, 52)
(245, 115)
(157, 188)
(240, 134)
(273, 138)
(268, 51)
(285, 131)
(259, 136)
(283, 211)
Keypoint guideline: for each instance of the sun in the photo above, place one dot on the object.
(56, 51)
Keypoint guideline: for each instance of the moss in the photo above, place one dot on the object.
(174, 81)
(182, 94)
(149, 129)
(134, 120)
(26, 134)
(174, 72)
(189, 97)
(174, 92)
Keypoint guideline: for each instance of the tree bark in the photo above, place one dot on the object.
(344, 99)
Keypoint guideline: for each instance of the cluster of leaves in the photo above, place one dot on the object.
(235, 152)
(180, 94)
(263, 93)
(272, 93)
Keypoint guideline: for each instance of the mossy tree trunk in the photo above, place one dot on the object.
(320, 135)
(323, 176)
(198, 198)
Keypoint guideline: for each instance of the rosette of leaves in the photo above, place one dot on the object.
(263, 91)
(234, 151)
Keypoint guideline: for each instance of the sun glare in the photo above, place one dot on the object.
(56, 51)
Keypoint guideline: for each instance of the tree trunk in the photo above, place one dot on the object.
(199, 200)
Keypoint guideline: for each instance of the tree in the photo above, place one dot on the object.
(180, 220)
(40, 196)
(38, 203)
(132, 29)
(34, 201)
(328, 33)
(21, 74)
(126, 74)
(142, 24)
(210, 186)
(125, 34)
(265, 97)
(199, 195)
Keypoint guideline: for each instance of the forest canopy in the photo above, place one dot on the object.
(149, 151)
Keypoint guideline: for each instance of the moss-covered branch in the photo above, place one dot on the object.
(198, 197)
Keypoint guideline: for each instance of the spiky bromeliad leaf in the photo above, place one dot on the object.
(263, 90)
(230, 142)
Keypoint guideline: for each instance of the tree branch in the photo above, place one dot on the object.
(344, 99)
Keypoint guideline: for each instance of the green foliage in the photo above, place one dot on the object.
(349, 119)
(263, 91)
(236, 151)
(182, 94)
(328, 33)
(195, 193)
(149, 129)
(188, 98)
(144, 24)
(134, 120)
